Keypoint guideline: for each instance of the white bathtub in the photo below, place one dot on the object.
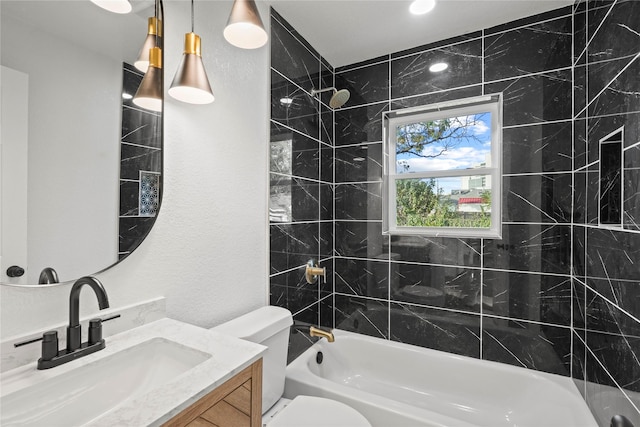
(395, 384)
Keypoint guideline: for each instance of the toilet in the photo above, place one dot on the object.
(269, 326)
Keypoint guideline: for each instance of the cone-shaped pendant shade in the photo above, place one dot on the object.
(244, 28)
(154, 38)
(191, 84)
(115, 6)
(149, 94)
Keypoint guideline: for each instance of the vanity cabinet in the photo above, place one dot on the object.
(236, 403)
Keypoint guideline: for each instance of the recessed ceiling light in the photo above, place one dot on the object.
(126, 95)
(438, 66)
(359, 159)
(420, 7)
(286, 101)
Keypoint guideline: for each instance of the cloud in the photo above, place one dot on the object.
(455, 158)
(479, 126)
(463, 153)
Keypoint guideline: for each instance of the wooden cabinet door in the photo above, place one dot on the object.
(236, 403)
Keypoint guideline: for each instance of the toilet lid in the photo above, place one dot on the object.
(309, 411)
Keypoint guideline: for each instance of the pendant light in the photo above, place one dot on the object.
(154, 32)
(190, 83)
(115, 6)
(244, 28)
(150, 91)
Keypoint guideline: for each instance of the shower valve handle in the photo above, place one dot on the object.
(313, 271)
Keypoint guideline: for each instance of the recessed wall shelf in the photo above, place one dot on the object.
(610, 181)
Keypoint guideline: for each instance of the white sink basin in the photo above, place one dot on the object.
(80, 395)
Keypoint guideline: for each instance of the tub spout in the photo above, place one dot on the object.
(316, 332)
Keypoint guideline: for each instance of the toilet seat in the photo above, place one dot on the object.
(310, 411)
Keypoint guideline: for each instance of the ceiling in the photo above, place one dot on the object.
(346, 32)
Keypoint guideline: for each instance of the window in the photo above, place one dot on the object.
(442, 173)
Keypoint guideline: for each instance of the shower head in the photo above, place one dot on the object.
(338, 99)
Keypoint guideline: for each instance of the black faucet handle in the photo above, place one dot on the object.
(95, 328)
(95, 331)
(106, 319)
(49, 345)
(33, 340)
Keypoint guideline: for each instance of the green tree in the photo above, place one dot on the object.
(418, 204)
(415, 199)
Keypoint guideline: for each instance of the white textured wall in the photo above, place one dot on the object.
(207, 252)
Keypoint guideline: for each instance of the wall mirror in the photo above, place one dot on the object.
(81, 164)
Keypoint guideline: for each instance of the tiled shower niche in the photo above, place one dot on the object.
(547, 296)
(140, 166)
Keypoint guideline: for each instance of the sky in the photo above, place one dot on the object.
(464, 155)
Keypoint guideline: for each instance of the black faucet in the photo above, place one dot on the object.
(51, 356)
(47, 276)
(74, 329)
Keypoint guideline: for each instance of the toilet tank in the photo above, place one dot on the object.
(268, 326)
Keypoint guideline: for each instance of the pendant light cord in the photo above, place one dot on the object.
(158, 25)
(192, 16)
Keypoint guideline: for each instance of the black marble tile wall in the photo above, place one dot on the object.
(607, 277)
(140, 152)
(301, 170)
(559, 292)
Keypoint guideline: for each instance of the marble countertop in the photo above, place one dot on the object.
(229, 356)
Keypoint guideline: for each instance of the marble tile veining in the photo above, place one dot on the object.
(436, 97)
(537, 148)
(618, 35)
(410, 75)
(526, 296)
(541, 248)
(134, 159)
(437, 250)
(612, 254)
(529, 345)
(359, 124)
(537, 198)
(361, 239)
(358, 163)
(365, 316)
(535, 98)
(359, 201)
(293, 107)
(620, 356)
(538, 47)
(621, 95)
(292, 58)
(454, 288)
(292, 245)
(367, 85)
(362, 277)
(453, 332)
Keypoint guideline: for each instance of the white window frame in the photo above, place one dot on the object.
(393, 119)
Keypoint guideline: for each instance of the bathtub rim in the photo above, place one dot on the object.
(297, 371)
